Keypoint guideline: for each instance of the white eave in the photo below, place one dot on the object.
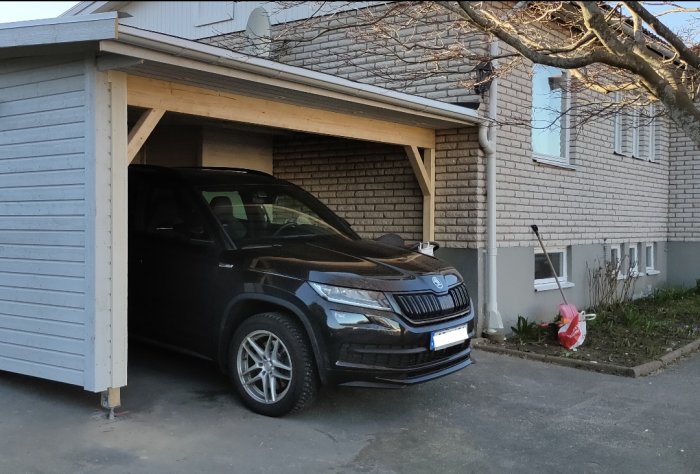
(157, 55)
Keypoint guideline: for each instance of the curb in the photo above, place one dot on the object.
(613, 369)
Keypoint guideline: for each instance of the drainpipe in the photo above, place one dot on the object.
(487, 141)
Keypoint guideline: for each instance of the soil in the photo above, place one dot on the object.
(640, 332)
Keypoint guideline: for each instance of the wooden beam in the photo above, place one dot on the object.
(429, 200)
(141, 131)
(414, 157)
(424, 169)
(156, 94)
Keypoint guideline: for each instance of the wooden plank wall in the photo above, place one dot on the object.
(43, 218)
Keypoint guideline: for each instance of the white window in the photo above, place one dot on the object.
(633, 264)
(635, 132)
(636, 135)
(651, 131)
(544, 278)
(650, 258)
(550, 102)
(616, 259)
(617, 129)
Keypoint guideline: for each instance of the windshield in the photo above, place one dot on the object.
(252, 214)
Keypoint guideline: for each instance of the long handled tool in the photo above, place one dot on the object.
(566, 311)
(549, 260)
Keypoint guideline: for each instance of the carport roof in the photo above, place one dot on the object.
(156, 55)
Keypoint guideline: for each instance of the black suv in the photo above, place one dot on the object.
(258, 275)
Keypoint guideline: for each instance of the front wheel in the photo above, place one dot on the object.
(271, 365)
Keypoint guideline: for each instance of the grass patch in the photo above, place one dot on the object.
(631, 333)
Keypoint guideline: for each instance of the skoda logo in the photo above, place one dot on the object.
(438, 284)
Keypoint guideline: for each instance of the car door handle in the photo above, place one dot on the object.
(225, 265)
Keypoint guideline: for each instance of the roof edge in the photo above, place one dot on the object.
(54, 31)
(183, 48)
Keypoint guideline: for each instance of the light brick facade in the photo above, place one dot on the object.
(684, 192)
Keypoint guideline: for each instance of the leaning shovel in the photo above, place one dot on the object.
(566, 311)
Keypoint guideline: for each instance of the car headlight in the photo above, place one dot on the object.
(352, 296)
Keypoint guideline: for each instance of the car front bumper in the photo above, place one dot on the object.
(377, 356)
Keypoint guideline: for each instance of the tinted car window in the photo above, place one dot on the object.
(169, 213)
(270, 212)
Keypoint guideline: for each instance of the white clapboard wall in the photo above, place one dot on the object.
(43, 225)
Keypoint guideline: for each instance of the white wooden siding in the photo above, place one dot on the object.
(43, 218)
(184, 19)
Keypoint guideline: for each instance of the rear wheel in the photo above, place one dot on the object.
(271, 364)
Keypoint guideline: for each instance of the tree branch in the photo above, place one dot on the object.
(491, 25)
(685, 53)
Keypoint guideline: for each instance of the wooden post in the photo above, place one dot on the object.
(424, 169)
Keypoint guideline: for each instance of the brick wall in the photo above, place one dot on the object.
(460, 189)
(606, 196)
(684, 192)
(363, 56)
(373, 187)
(370, 185)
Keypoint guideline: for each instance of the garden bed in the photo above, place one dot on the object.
(624, 335)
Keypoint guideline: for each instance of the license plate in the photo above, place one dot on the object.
(448, 337)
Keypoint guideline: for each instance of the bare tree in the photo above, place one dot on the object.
(608, 48)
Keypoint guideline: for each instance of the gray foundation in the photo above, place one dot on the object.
(684, 262)
(517, 295)
(469, 263)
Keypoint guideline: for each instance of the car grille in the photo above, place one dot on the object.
(396, 357)
(421, 308)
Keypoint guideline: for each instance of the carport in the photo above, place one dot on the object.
(68, 86)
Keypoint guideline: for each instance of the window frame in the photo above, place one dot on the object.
(618, 263)
(550, 283)
(651, 270)
(633, 269)
(629, 142)
(564, 133)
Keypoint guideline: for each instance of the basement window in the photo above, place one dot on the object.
(544, 278)
(650, 259)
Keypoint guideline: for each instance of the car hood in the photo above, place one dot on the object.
(352, 263)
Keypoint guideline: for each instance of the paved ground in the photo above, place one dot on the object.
(500, 415)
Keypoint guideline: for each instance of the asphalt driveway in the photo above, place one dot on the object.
(500, 415)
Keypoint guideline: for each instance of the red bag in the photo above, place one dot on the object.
(572, 334)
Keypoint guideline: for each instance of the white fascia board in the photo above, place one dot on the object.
(59, 30)
(178, 49)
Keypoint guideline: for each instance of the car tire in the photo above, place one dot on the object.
(271, 364)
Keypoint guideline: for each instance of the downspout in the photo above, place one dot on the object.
(487, 141)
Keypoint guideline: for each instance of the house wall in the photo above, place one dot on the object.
(684, 215)
(346, 53)
(195, 20)
(602, 196)
(370, 185)
(44, 221)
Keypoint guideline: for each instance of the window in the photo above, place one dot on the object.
(544, 278)
(549, 118)
(650, 258)
(635, 132)
(616, 258)
(633, 254)
(615, 253)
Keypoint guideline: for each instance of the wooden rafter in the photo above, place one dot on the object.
(142, 130)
